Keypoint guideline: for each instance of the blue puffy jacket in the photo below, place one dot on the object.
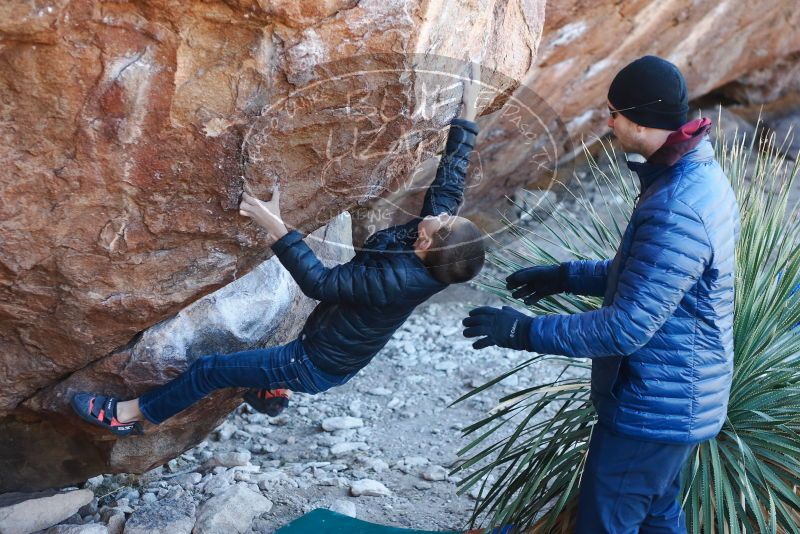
(662, 343)
(364, 301)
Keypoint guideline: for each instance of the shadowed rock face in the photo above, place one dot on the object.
(127, 131)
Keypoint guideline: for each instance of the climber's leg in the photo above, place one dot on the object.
(282, 367)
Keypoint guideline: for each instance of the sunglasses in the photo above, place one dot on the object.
(614, 112)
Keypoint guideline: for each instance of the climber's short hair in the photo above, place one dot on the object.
(457, 252)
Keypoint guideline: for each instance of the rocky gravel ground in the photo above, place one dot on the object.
(379, 448)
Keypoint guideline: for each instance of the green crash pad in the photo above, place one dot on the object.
(322, 521)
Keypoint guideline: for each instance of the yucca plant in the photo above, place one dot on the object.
(527, 455)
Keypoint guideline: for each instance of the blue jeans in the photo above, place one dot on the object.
(631, 486)
(282, 367)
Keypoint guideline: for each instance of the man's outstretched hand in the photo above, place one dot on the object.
(534, 283)
(504, 327)
(266, 214)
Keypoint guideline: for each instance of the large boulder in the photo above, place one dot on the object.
(562, 98)
(713, 43)
(45, 446)
(129, 130)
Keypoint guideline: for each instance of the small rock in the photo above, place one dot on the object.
(242, 476)
(355, 408)
(225, 431)
(91, 528)
(21, 513)
(95, 481)
(450, 331)
(229, 459)
(341, 506)
(369, 487)
(341, 423)
(434, 473)
(187, 480)
(204, 456)
(395, 403)
(130, 494)
(231, 511)
(446, 366)
(422, 485)
(270, 478)
(280, 420)
(166, 516)
(89, 509)
(376, 464)
(216, 485)
(343, 449)
(380, 392)
(411, 464)
(115, 523)
(149, 497)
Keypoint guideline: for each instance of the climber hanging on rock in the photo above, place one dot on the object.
(362, 302)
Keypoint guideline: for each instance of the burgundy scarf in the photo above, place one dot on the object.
(681, 141)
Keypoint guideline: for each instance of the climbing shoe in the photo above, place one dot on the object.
(102, 411)
(269, 401)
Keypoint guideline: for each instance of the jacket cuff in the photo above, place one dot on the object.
(567, 275)
(535, 341)
(522, 336)
(462, 132)
(280, 246)
(470, 126)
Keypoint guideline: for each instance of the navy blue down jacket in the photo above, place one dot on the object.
(662, 343)
(364, 301)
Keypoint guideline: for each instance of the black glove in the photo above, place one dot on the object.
(534, 283)
(505, 328)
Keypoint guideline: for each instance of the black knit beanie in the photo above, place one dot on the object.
(655, 90)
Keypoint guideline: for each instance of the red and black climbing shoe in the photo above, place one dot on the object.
(102, 411)
(269, 401)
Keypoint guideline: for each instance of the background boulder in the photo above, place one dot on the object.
(128, 131)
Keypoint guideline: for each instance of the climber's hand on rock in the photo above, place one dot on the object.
(472, 87)
(267, 214)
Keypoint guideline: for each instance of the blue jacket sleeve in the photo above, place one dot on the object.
(669, 252)
(375, 283)
(587, 277)
(447, 191)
